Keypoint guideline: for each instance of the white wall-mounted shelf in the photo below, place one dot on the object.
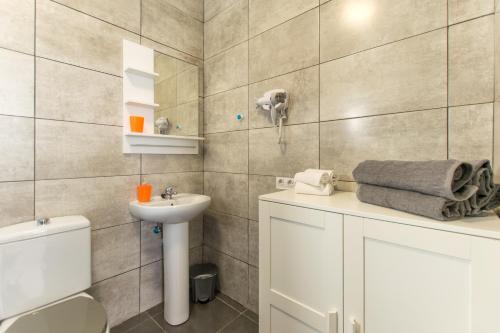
(143, 104)
(162, 144)
(138, 100)
(141, 72)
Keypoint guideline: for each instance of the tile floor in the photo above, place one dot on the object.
(221, 315)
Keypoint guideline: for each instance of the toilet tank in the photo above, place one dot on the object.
(40, 264)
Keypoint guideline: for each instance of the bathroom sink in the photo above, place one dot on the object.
(181, 208)
(175, 215)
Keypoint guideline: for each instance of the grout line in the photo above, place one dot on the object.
(447, 83)
(17, 51)
(229, 305)
(248, 152)
(226, 254)
(78, 66)
(154, 320)
(95, 17)
(111, 277)
(229, 323)
(34, 110)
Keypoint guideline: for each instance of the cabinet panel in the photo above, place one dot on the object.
(415, 289)
(401, 278)
(282, 322)
(300, 268)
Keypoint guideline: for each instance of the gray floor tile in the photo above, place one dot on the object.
(130, 323)
(147, 326)
(204, 318)
(241, 325)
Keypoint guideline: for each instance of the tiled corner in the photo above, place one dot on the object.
(226, 152)
(471, 132)
(215, 7)
(115, 250)
(119, 296)
(16, 144)
(227, 70)
(295, 45)
(166, 24)
(233, 274)
(16, 83)
(16, 202)
(471, 61)
(193, 8)
(227, 234)
(229, 192)
(227, 29)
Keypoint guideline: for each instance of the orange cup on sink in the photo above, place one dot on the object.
(144, 192)
(136, 124)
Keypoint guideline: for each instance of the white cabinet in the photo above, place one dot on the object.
(341, 266)
(301, 283)
(401, 278)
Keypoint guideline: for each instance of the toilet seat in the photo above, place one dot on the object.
(80, 314)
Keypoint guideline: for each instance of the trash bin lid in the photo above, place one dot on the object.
(202, 271)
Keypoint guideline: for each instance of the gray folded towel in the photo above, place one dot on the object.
(438, 208)
(482, 177)
(449, 179)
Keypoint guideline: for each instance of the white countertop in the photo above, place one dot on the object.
(347, 203)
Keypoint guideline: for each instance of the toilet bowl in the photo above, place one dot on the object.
(76, 314)
(45, 266)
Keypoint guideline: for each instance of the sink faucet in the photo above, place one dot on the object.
(169, 192)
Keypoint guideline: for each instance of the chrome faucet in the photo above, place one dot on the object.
(169, 192)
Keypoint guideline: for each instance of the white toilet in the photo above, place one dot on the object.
(44, 269)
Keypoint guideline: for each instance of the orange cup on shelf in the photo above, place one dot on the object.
(136, 124)
(144, 192)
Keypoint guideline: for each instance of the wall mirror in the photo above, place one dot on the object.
(160, 103)
(176, 91)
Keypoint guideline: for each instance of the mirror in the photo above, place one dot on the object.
(176, 91)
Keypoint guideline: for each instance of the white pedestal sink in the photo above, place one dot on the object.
(174, 214)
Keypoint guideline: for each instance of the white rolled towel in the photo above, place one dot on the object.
(302, 188)
(315, 177)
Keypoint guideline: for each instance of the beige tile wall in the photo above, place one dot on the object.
(60, 131)
(374, 79)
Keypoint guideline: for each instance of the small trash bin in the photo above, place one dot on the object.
(202, 282)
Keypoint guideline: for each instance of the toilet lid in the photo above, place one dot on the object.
(76, 315)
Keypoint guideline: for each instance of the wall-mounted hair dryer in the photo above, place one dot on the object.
(276, 102)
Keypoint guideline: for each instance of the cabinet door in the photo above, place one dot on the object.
(401, 278)
(300, 267)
